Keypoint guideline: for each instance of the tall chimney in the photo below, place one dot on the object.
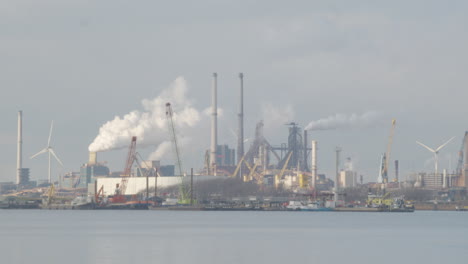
(305, 165)
(337, 176)
(240, 136)
(92, 158)
(397, 171)
(214, 124)
(464, 182)
(314, 162)
(444, 178)
(19, 158)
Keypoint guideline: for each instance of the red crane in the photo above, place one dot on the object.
(119, 196)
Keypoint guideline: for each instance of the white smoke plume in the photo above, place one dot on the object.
(338, 121)
(150, 125)
(161, 150)
(219, 113)
(274, 116)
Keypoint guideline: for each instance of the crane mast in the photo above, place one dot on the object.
(169, 115)
(183, 192)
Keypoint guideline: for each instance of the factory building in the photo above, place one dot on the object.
(24, 177)
(147, 168)
(322, 183)
(139, 184)
(167, 170)
(90, 171)
(71, 179)
(437, 182)
(347, 179)
(151, 167)
(225, 156)
(6, 187)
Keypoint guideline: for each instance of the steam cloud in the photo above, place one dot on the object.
(150, 125)
(343, 121)
(275, 115)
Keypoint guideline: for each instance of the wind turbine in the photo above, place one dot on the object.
(436, 152)
(49, 150)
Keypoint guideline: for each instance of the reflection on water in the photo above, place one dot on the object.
(34, 236)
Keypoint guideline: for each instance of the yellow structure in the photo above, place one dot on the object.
(303, 181)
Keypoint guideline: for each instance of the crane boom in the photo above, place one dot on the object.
(285, 165)
(128, 165)
(119, 196)
(169, 115)
(252, 171)
(184, 193)
(238, 167)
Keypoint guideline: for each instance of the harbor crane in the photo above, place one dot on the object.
(119, 196)
(184, 193)
(170, 120)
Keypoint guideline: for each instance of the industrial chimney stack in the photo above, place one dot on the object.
(92, 158)
(397, 171)
(19, 158)
(314, 163)
(240, 136)
(464, 182)
(214, 124)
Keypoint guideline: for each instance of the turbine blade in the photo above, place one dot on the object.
(428, 148)
(55, 156)
(39, 153)
(50, 133)
(443, 145)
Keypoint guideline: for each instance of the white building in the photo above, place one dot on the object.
(347, 179)
(138, 184)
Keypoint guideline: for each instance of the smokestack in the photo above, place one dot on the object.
(214, 123)
(19, 158)
(337, 175)
(464, 182)
(444, 179)
(240, 136)
(306, 167)
(92, 158)
(314, 162)
(397, 172)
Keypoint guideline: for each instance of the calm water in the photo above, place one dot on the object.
(34, 236)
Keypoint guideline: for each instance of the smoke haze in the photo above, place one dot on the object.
(343, 121)
(275, 116)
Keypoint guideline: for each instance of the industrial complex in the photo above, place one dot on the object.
(265, 175)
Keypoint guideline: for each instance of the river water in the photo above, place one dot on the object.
(41, 236)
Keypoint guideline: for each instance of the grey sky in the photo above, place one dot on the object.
(83, 62)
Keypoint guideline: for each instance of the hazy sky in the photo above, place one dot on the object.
(81, 63)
